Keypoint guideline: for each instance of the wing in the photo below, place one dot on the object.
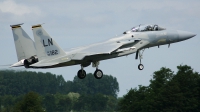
(109, 48)
(100, 48)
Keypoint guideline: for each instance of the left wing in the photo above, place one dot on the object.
(100, 48)
(109, 48)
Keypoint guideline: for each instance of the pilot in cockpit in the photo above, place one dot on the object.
(143, 28)
(152, 28)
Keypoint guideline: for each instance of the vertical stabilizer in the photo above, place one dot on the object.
(46, 47)
(24, 45)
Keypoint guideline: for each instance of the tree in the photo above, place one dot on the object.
(108, 85)
(65, 102)
(49, 102)
(167, 92)
(21, 82)
(111, 103)
(97, 102)
(56, 93)
(64, 105)
(30, 103)
(7, 102)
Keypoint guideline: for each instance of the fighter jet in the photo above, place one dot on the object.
(46, 53)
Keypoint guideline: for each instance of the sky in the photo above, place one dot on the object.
(78, 23)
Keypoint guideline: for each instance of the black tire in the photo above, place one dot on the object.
(98, 74)
(81, 74)
(26, 63)
(140, 67)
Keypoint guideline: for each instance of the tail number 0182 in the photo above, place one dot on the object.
(52, 52)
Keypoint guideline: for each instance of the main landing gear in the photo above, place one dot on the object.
(98, 74)
(140, 66)
(81, 73)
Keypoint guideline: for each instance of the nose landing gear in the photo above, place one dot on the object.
(140, 66)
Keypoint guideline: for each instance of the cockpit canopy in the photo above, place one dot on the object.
(144, 28)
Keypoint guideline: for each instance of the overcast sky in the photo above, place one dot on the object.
(78, 23)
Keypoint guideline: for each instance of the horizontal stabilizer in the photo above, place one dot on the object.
(40, 65)
(20, 63)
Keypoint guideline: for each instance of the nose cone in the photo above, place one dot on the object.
(183, 35)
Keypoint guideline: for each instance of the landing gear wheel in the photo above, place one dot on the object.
(98, 74)
(81, 74)
(26, 64)
(140, 67)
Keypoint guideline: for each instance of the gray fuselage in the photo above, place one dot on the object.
(154, 38)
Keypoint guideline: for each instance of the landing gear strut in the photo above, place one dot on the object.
(140, 66)
(98, 74)
(81, 73)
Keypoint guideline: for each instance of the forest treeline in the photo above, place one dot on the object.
(21, 82)
(23, 91)
(167, 92)
(54, 94)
